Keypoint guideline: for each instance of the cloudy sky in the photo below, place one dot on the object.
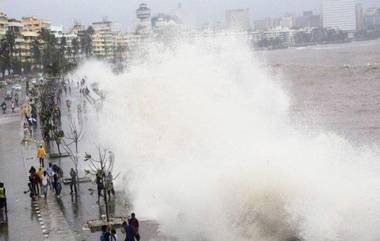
(64, 12)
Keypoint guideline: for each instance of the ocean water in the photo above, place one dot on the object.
(335, 87)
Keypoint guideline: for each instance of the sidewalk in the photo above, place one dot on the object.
(22, 221)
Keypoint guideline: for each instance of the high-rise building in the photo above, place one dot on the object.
(3, 24)
(32, 24)
(143, 14)
(372, 19)
(107, 39)
(340, 14)
(238, 19)
(359, 17)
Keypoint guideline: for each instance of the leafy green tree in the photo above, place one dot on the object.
(75, 47)
(36, 52)
(11, 40)
(49, 52)
(86, 41)
(7, 45)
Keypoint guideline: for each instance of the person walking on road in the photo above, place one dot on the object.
(134, 223)
(3, 204)
(45, 184)
(50, 173)
(57, 185)
(73, 181)
(41, 154)
(34, 180)
(129, 234)
(40, 174)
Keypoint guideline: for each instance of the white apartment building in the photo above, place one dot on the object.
(108, 39)
(340, 14)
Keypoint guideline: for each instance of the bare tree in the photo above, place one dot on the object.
(75, 136)
(100, 168)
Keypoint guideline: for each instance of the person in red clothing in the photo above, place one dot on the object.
(134, 223)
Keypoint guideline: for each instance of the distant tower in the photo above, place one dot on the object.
(143, 15)
(143, 12)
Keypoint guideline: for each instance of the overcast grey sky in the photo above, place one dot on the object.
(63, 12)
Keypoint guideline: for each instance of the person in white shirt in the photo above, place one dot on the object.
(50, 173)
(113, 236)
(45, 184)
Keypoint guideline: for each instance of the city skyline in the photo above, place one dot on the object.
(198, 12)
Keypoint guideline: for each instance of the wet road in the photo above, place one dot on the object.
(22, 221)
(56, 218)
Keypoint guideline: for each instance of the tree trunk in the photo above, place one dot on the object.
(106, 200)
(59, 150)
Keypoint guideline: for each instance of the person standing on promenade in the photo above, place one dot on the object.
(50, 173)
(40, 174)
(129, 234)
(57, 185)
(73, 181)
(34, 180)
(134, 223)
(41, 154)
(45, 184)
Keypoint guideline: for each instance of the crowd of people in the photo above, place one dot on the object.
(130, 227)
(104, 182)
(40, 179)
(29, 111)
